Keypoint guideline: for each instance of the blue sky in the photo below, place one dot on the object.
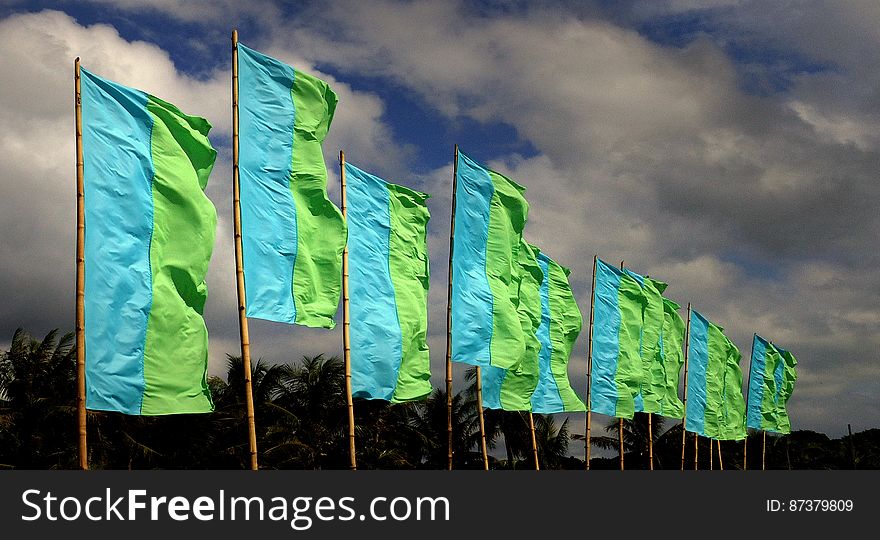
(728, 147)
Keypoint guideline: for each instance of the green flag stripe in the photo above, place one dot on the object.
(508, 211)
(320, 228)
(408, 265)
(565, 325)
(176, 346)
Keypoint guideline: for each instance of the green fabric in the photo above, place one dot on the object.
(176, 347)
(520, 382)
(789, 377)
(774, 400)
(408, 265)
(725, 417)
(565, 325)
(320, 228)
(668, 361)
(630, 371)
(508, 211)
(653, 320)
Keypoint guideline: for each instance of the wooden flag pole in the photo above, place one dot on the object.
(748, 391)
(620, 420)
(711, 455)
(720, 462)
(239, 269)
(764, 451)
(346, 326)
(534, 441)
(696, 450)
(449, 318)
(80, 277)
(650, 445)
(590, 367)
(482, 422)
(687, 338)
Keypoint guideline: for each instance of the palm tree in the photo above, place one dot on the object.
(38, 402)
(430, 422)
(552, 441)
(635, 438)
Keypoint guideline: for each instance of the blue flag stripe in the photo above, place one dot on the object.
(119, 222)
(546, 398)
(268, 213)
(606, 340)
(698, 363)
(492, 378)
(375, 333)
(471, 295)
(756, 381)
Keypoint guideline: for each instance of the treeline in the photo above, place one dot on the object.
(301, 423)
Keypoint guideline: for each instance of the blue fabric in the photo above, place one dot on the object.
(471, 295)
(778, 373)
(546, 398)
(268, 214)
(492, 378)
(118, 182)
(606, 342)
(698, 362)
(756, 382)
(374, 326)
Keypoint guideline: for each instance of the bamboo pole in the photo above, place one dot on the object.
(239, 269)
(534, 441)
(620, 420)
(80, 277)
(852, 445)
(346, 326)
(748, 392)
(764, 451)
(482, 422)
(650, 444)
(449, 317)
(687, 338)
(590, 368)
(696, 451)
(720, 462)
(711, 449)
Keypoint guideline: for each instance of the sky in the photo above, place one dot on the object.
(730, 148)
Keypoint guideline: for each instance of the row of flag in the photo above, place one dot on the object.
(149, 234)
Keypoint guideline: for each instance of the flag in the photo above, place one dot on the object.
(651, 311)
(716, 407)
(292, 235)
(771, 383)
(489, 219)
(388, 284)
(560, 325)
(668, 361)
(511, 389)
(617, 372)
(149, 234)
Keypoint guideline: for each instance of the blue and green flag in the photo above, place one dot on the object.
(388, 283)
(771, 383)
(511, 389)
(292, 234)
(561, 323)
(617, 370)
(668, 360)
(149, 234)
(489, 219)
(715, 403)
